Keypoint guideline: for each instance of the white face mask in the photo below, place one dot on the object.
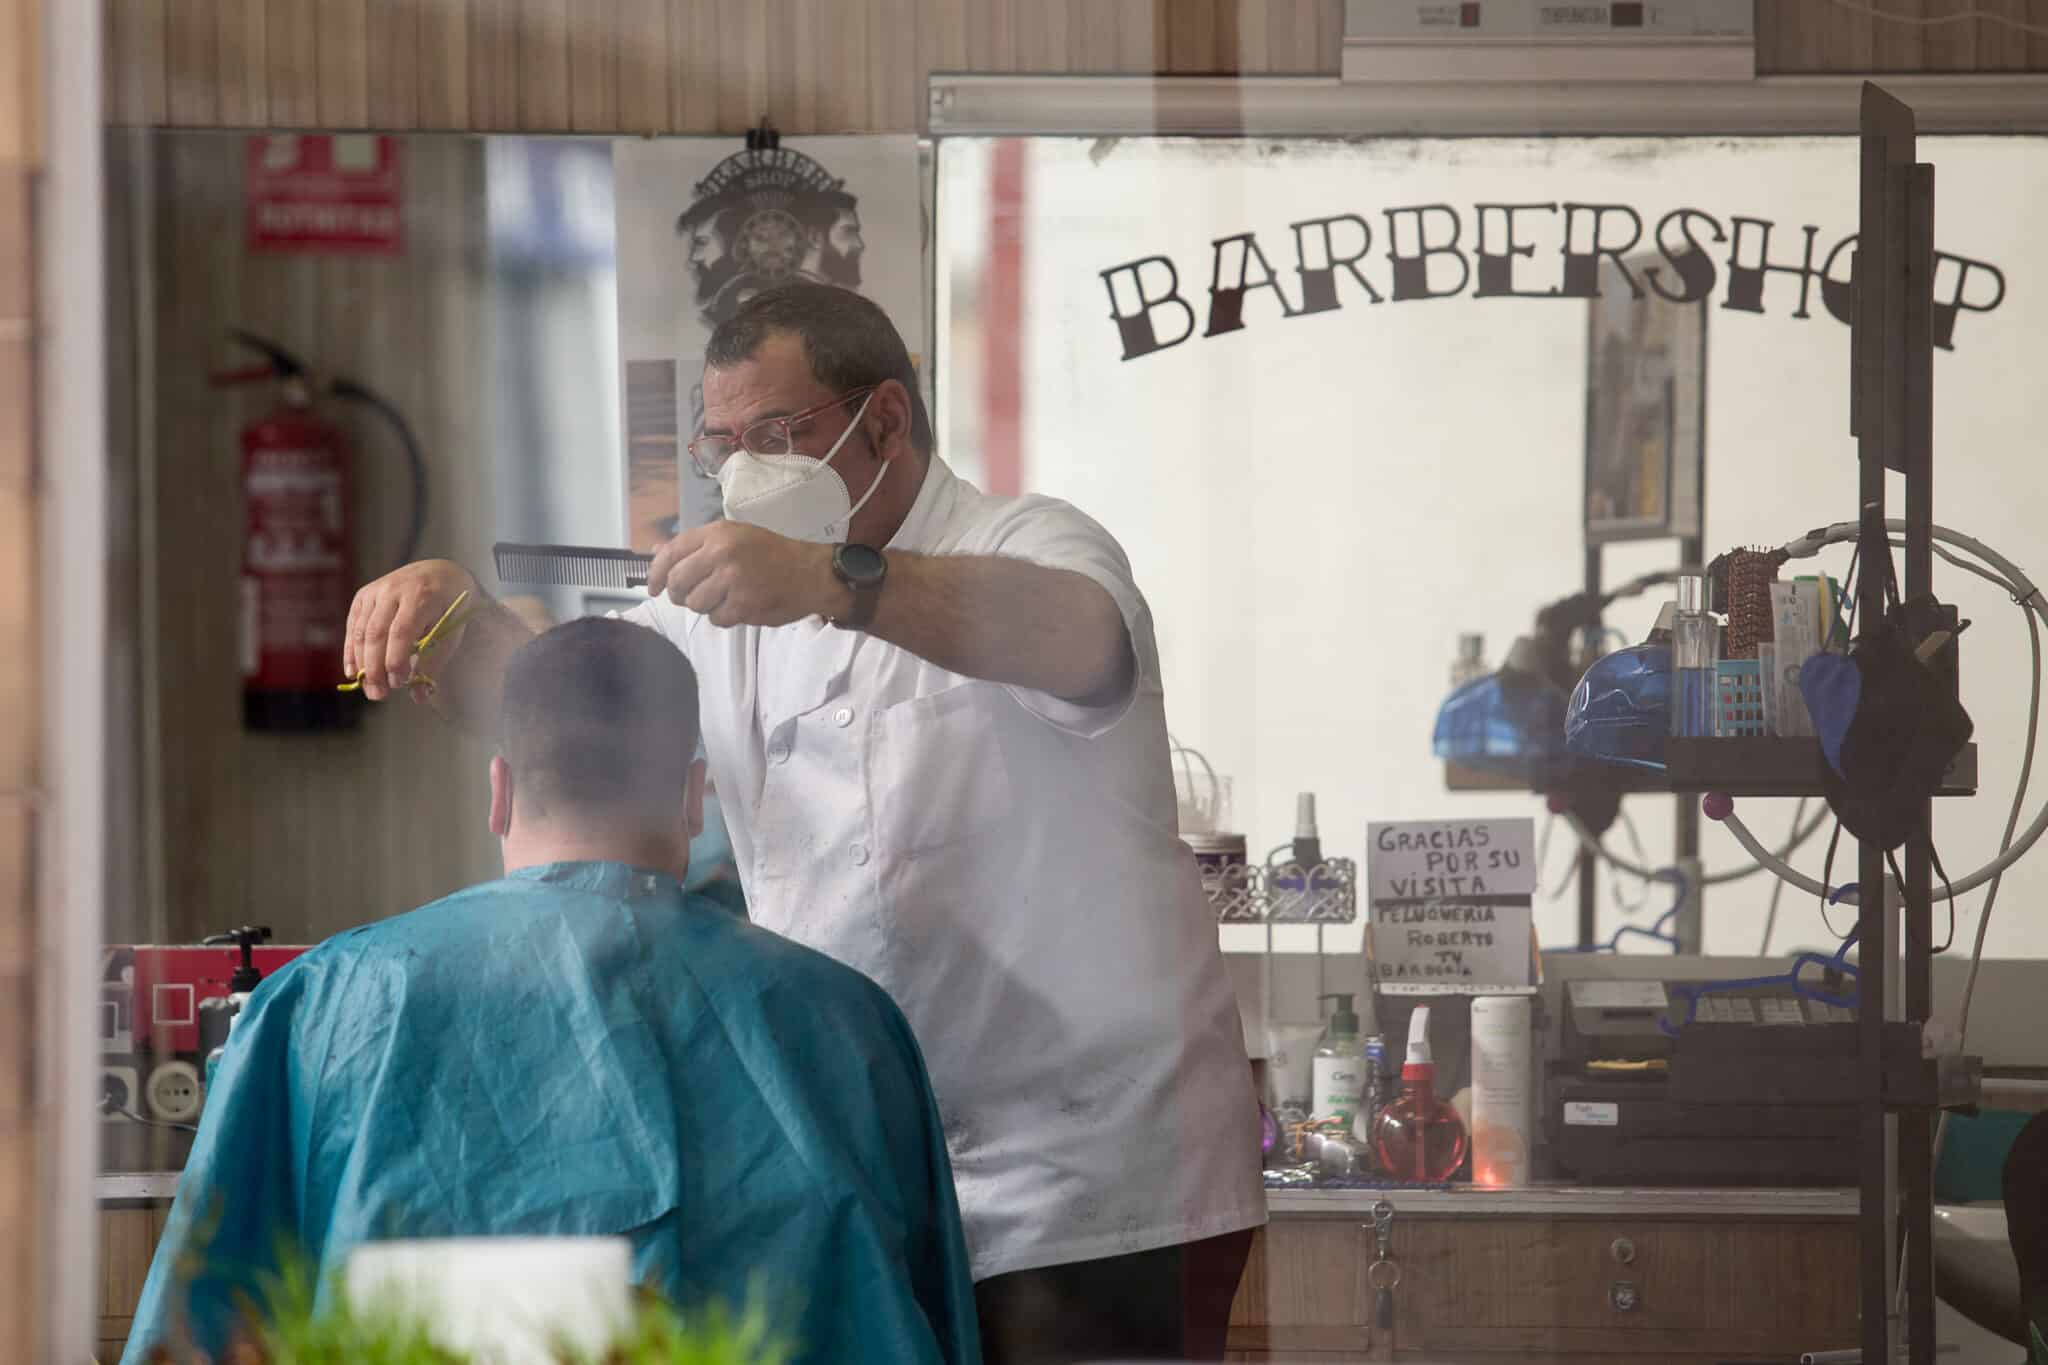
(794, 495)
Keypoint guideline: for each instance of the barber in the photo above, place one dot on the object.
(936, 720)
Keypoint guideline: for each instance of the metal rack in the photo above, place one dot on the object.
(1283, 894)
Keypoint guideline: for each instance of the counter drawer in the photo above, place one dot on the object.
(1627, 1286)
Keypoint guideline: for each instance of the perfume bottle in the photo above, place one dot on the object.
(1419, 1137)
(1695, 650)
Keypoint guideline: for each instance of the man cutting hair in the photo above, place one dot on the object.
(936, 723)
(582, 1049)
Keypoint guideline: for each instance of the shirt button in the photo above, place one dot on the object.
(859, 854)
(778, 752)
(843, 717)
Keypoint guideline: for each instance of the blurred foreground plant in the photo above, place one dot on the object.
(288, 1328)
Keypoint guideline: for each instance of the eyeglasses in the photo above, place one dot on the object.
(769, 436)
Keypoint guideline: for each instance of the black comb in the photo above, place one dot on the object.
(571, 566)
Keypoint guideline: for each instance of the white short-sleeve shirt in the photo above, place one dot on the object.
(1006, 865)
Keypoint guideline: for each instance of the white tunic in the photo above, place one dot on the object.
(1005, 864)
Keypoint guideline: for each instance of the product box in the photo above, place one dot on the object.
(1796, 637)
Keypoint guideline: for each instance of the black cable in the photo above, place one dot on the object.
(416, 463)
(108, 1107)
(1827, 878)
(1950, 887)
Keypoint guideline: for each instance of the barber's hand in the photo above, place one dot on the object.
(389, 616)
(740, 575)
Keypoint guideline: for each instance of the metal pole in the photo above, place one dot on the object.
(1916, 1126)
(1589, 866)
(1877, 407)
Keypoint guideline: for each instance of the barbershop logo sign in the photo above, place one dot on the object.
(1692, 255)
(763, 217)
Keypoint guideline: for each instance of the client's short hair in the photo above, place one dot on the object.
(599, 718)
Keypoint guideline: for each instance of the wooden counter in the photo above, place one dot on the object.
(1551, 1273)
(1554, 1274)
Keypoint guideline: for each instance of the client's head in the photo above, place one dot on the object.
(597, 744)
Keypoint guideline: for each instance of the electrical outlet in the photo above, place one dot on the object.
(175, 1092)
(120, 1086)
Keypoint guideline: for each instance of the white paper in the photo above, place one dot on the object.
(1417, 859)
(1450, 944)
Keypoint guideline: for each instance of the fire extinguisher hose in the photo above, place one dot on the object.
(351, 391)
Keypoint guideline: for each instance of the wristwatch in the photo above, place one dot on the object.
(861, 568)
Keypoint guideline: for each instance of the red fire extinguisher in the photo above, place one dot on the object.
(298, 545)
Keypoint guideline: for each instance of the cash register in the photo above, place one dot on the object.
(1757, 1086)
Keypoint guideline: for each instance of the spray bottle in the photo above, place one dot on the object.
(1419, 1137)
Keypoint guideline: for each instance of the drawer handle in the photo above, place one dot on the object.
(1624, 1251)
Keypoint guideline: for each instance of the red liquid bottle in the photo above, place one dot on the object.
(1418, 1137)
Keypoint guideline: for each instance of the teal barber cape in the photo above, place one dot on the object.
(581, 1049)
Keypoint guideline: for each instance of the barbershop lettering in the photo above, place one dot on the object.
(1498, 250)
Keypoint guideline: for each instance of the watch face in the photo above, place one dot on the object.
(860, 565)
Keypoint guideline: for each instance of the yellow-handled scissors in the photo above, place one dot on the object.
(449, 623)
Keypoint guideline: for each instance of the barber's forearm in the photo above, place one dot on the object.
(1005, 620)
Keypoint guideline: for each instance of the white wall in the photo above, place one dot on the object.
(1317, 506)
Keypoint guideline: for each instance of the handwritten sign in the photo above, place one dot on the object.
(1451, 906)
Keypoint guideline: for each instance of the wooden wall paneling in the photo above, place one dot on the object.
(192, 54)
(841, 74)
(1254, 37)
(392, 84)
(668, 63)
(793, 63)
(1095, 36)
(128, 879)
(443, 64)
(1950, 46)
(2003, 47)
(544, 64)
(1992, 45)
(897, 65)
(196, 678)
(1193, 37)
(342, 49)
(942, 33)
(240, 64)
(1899, 45)
(1800, 35)
(291, 48)
(1141, 37)
(1850, 43)
(594, 56)
(493, 65)
(744, 91)
(992, 33)
(1042, 37)
(1328, 54)
(133, 35)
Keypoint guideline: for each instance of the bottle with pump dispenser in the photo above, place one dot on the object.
(1418, 1137)
(1339, 1065)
